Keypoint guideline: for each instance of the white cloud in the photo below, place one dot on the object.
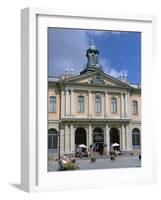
(67, 50)
(105, 34)
(116, 73)
(109, 69)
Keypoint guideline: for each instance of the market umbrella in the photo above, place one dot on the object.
(115, 145)
(82, 146)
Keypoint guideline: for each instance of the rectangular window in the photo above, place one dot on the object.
(135, 107)
(98, 104)
(52, 104)
(80, 103)
(113, 105)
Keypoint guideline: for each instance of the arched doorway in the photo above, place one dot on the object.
(98, 140)
(114, 137)
(80, 136)
(52, 140)
(136, 138)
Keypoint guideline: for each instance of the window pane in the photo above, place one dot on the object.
(52, 104)
(135, 107)
(113, 105)
(80, 103)
(98, 104)
(135, 138)
(52, 139)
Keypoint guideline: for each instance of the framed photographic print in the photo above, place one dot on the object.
(86, 119)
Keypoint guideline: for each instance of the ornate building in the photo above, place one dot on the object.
(93, 108)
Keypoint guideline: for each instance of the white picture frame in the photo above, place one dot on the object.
(34, 176)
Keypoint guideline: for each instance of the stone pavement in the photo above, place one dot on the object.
(106, 163)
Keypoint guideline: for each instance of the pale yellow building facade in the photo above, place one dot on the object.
(94, 109)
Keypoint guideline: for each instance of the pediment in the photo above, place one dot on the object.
(97, 78)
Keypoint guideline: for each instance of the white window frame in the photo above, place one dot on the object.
(81, 105)
(98, 104)
(113, 105)
(135, 107)
(52, 104)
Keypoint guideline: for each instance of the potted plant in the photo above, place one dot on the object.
(93, 159)
(113, 157)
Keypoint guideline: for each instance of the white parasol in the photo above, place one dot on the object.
(82, 146)
(115, 145)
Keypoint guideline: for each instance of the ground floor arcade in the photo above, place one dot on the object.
(98, 135)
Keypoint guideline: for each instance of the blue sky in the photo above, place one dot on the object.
(120, 51)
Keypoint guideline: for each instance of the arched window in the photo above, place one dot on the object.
(135, 108)
(98, 104)
(52, 139)
(136, 137)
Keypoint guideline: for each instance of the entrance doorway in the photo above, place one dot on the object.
(80, 136)
(98, 140)
(114, 138)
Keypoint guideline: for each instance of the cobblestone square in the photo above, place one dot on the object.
(85, 164)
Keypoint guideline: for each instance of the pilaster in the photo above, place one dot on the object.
(62, 103)
(106, 104)
(128, 139)
(107, 140)
(66, 139)
(122, 106)
(71, 101)
(123, 138)
(126, 105)
(89, 135)
(62, 141)
(89, 103)
(72, 141)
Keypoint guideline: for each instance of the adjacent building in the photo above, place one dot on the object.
(94, 109)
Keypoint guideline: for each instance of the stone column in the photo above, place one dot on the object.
(72, 140)
(123, 138)
(62, 141)
(126, 105)
(130, 139)
(122, 106)
(107, 140)
(66, 139)
(106, 104)
(62, 103)
(127, 138)
(89, 103)
(89, 135)
(67, 102)
(120, 134)
(71, 102)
